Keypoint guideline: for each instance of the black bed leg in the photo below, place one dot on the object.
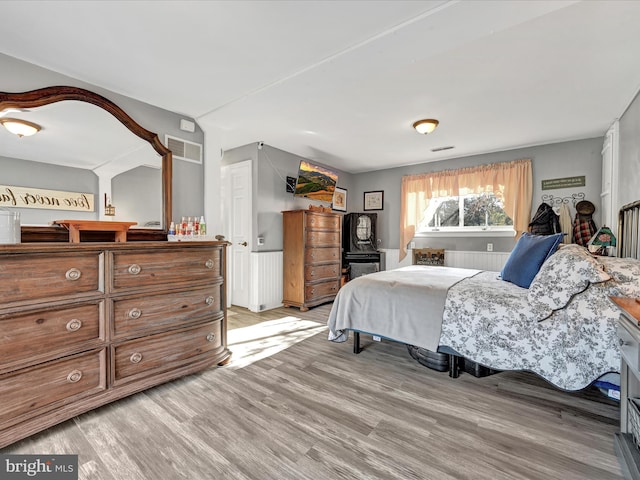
(356, 342)
(454, 366)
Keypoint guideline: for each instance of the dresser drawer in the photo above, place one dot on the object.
(317, 290)
(322, 239)
(158, 353)
(27, 277)
(141, 269)
(629, 349)
(323, 222)
(37, 335)
(315, 273)
(142, 315)
(322, 255)
(30, 391)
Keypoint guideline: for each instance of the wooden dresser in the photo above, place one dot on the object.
(82, 325)
(629, 334)
(311, 257)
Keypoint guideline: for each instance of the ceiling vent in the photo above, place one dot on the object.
(439, 149)
(184, 150)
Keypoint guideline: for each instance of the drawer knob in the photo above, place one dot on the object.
(74, 376)
(313, 290)
(134, 269)
(73, 274)
(135, 357)
(211, 337)
(209, 263)
(135, 313)
(622, 342)
(73, 325)
(312, 273)
(209, 300)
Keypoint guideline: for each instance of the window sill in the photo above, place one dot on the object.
(468, 233)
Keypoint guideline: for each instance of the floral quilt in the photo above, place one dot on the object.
(563, 327)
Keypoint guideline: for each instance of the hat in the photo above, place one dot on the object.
(585, 207)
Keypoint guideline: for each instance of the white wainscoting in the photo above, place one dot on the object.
(493, 261)
(266, 281)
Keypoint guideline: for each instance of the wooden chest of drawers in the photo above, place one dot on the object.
(311, 256)
(82, 325)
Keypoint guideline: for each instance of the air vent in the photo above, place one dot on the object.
(439, 149)
(184, 150)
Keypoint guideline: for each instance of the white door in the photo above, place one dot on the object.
(236, 179)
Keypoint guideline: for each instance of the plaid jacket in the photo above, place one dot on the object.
(583, 229)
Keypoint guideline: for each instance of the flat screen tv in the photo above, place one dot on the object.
(315, 182)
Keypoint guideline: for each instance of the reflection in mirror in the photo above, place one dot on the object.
(86, 144)
(83, 138)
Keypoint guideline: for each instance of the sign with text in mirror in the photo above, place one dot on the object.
(25, 197)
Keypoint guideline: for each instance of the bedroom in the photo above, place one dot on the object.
(195, 193)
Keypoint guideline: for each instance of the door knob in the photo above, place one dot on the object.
(244, 244)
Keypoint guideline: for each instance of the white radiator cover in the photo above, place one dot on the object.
(266, 281)
(493, 261)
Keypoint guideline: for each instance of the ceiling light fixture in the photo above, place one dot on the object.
(21, 128)
(426, 126)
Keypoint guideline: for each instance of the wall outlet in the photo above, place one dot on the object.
(260, 241)
(489, 247)
(412, 245)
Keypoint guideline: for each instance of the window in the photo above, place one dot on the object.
(474, 199)
(473, 212)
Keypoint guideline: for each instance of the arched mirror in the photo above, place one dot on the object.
(86, 145)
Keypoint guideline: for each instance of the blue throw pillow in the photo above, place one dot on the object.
(528, 256)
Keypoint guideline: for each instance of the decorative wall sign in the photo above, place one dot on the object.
(566, 182)
(26, 197)
(373, 200)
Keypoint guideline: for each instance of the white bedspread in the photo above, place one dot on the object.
(415, 314)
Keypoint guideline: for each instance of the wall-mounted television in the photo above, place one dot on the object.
(315, 182)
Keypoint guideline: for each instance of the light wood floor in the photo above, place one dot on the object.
(317, 411)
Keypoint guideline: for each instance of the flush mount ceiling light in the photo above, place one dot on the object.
(21, 128)
(426, 126)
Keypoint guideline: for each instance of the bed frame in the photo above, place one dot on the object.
(628, 247)
(628, 230)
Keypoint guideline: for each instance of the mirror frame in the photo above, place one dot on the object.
(48, 95)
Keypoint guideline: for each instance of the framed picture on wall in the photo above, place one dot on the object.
(339, 199)
(373, 200)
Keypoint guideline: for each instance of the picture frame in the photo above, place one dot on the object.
(374, 200)
(339, 199)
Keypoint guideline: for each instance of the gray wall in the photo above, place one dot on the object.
(629, 178)
(188, 178)
(137, 191)
(581, 157)
(271, 166)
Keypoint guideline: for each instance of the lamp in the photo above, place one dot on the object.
(21, 128)
(426, 126)
(603, 238)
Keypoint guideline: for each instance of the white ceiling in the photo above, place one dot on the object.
(341, 82)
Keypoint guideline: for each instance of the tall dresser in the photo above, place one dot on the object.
(82, 325)
(311, 256)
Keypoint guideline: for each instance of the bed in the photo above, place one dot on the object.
(561, 327)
